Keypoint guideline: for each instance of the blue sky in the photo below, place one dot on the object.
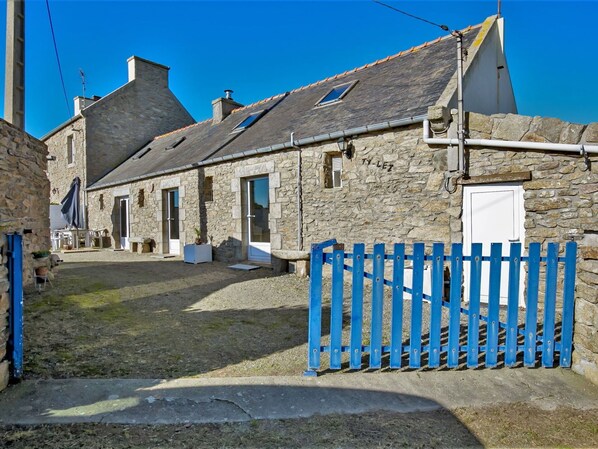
(259, 49)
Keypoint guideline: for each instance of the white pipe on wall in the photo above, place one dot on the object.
(510, 144)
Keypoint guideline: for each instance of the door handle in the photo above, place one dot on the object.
(250, 216)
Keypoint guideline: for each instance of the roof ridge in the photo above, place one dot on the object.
(174, 131)
(257, 103)
(357, 69)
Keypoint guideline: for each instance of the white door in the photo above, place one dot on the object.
(258, 220)
(124, 228)
(172, 221)
(493, 213)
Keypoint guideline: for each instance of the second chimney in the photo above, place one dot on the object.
(222, 107)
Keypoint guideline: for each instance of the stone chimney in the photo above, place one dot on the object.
(83, 102)
(148, 71)
(222, 107)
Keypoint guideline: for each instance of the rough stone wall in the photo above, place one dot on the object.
(561, 204)
(24, 207)
(223, 219)
(391, 192)
(60, 172)
(146, 208)
(120, 124)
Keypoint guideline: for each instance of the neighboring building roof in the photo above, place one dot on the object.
(397, 87)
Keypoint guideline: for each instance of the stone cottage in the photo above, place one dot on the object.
(24, 205)
(105, 131)
(324, 160)
(371, 155)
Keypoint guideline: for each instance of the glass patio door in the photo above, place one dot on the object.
(258, 217)
(172, 221)
(123, 213)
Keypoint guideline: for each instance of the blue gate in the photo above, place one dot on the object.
(486, 335)
(15, 312)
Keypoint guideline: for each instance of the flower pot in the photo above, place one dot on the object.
(41, 271)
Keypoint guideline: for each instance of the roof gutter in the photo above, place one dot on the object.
(511, 144)
(278, 147)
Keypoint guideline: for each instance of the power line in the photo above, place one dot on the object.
(443, 27)
(68, 109)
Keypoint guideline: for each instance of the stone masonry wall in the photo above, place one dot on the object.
(390, 192)
(59, 171)
(24, 207)
(146, 208)
(561, 203)
(119, 125)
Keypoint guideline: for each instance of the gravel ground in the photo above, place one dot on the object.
(117, 314)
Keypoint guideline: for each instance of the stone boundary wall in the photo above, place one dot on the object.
(560, 199)
(24, 207)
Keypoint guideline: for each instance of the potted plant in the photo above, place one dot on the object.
(197, 236)
(41, 254)
(197, 252)
(42, 265)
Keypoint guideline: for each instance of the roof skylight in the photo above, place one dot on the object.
(248, 121)
(336, 94)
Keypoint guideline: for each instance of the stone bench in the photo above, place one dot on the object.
(140, 245)
(281, 259)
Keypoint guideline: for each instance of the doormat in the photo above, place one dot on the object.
(244, 267)
(162, 256)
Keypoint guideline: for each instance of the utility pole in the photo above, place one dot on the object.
(14, 87)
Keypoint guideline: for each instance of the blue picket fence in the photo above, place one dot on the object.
(15, 311)
(483, 339)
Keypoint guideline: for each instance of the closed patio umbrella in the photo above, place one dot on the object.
(70, 205)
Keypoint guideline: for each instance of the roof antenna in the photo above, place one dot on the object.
(498, 10)
(82, 80)
(460, 112)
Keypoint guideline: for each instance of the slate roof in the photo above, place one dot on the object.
(400, 86)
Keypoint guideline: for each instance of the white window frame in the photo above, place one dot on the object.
(337, 175)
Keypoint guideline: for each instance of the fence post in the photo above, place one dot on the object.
(417, 291)
(436, 306)
(473, 325)
(568, 303)
(377, 307)
(531, 311)
(357, 305)
(396, 325)
(315, 308)
(15, 272)
(552, 267)
(492, 325)
(336, 306)
(455, 305)
(513, 304)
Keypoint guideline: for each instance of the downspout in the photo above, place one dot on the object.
(299, 196)
(511, 144)
(460, 111)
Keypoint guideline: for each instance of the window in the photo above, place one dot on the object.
(248, 121)
(336, 94)
(333, 169)
(141, 198)
(70, 150)
(101, 201)
(208, 188)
